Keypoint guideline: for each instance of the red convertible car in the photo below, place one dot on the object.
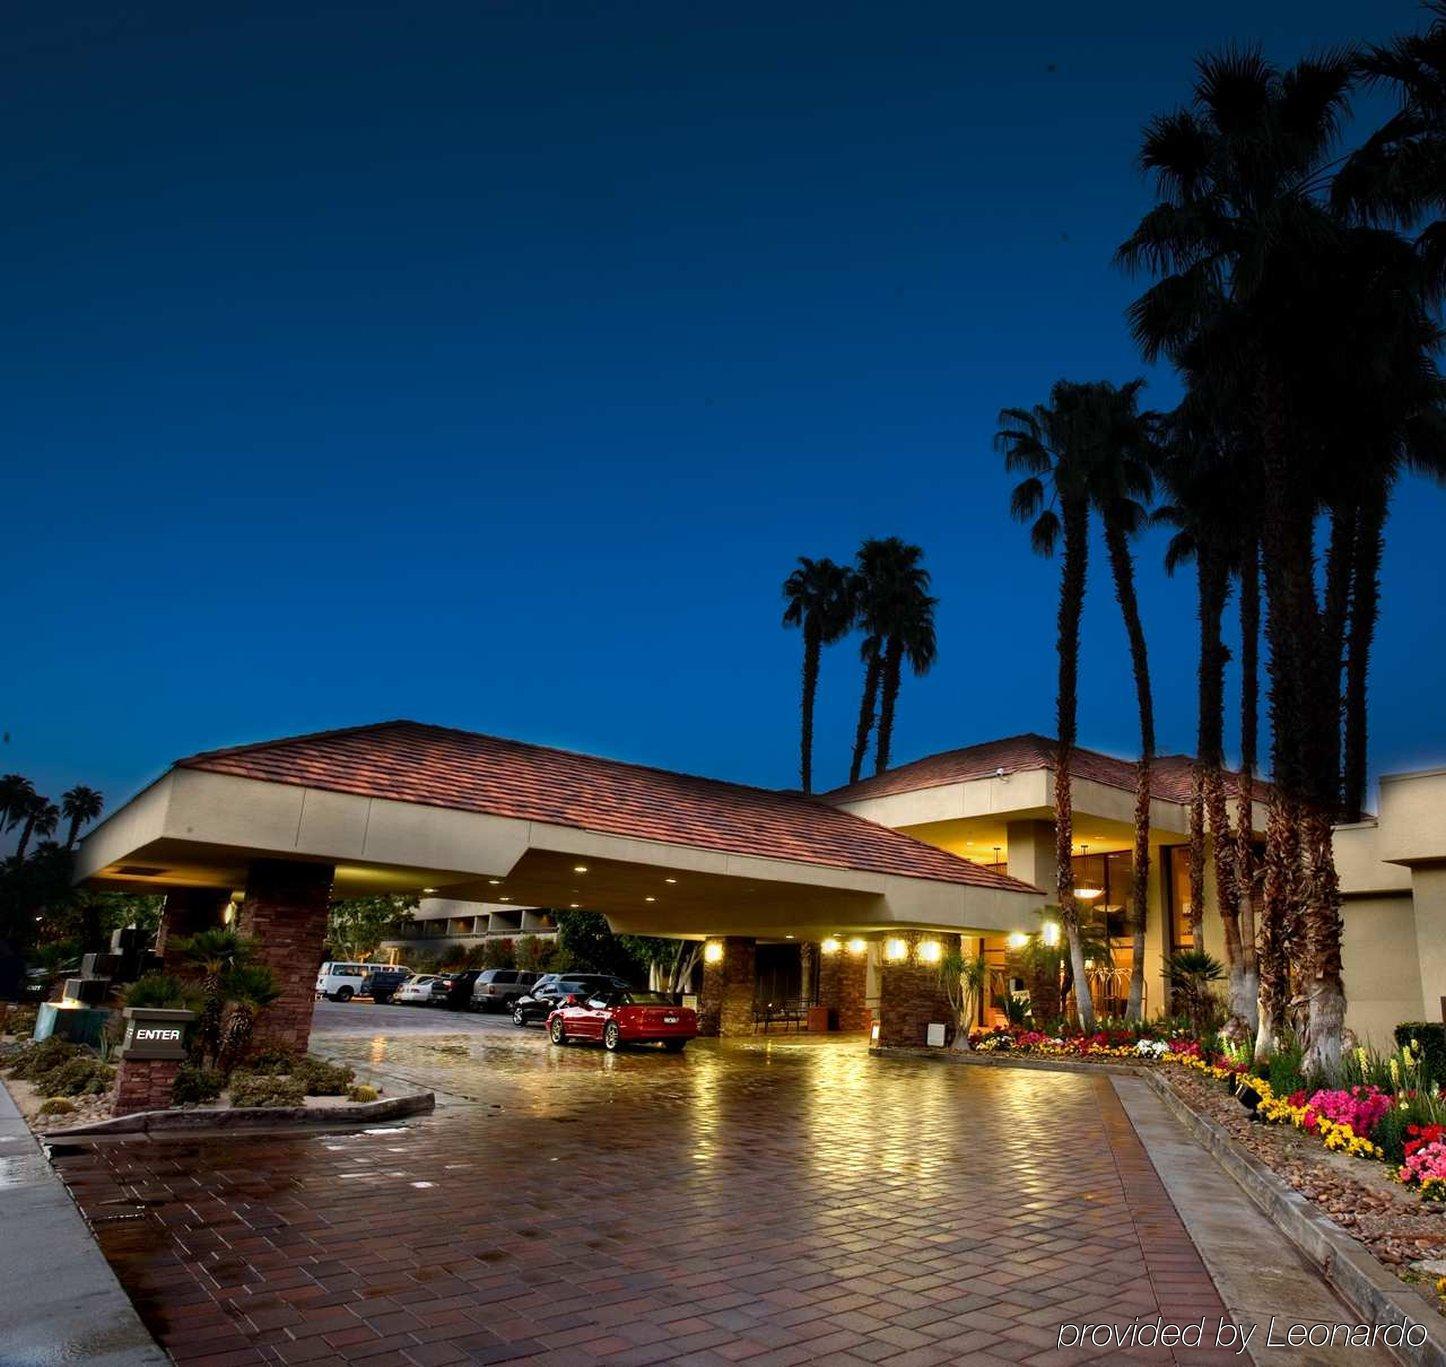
(623, 1017)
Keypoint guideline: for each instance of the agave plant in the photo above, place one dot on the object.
(249, 989)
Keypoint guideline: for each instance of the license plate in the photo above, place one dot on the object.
(670, 1020)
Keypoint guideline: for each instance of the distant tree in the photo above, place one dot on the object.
(589, 946)
(355, 926)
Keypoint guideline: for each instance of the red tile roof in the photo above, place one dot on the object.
(1169, 776)
(407, 761)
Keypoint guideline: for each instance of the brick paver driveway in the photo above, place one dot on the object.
(771, 1203)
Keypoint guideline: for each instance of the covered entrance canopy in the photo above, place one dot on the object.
(405, 807)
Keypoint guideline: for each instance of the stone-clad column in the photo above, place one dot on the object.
(188, 911)
(843, 985)
(285, 914)
(725, 1006)
(911, 995)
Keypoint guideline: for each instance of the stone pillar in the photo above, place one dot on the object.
(843, 985)
(725, 1006)
(911, 996)
(188, 911)
(144, 1085)
(808, 972)
(285, 914)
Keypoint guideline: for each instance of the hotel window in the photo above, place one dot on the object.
(1177, 896)
(1109, 914)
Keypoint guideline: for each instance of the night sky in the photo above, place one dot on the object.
(489, 364)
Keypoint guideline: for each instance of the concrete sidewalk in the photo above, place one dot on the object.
(61, 1302)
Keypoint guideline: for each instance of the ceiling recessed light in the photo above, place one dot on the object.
(506, 899)
(788, 937)
(429, 889)
(650, 899)
(494, 881)
(579, 868)
(574, 905)
(670, 880)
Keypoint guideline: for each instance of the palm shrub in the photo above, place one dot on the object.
(212, 954)
(160, 992)
(248, 989)
(963, 978)
(1192, 973)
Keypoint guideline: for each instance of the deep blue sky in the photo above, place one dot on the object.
(489, 364)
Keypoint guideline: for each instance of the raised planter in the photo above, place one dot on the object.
(247, 1118)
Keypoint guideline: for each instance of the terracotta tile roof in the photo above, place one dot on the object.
(1169, 778)
(436, 766)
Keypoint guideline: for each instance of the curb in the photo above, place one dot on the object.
(975, 1060)
(1377, 1295)
(247, 1118)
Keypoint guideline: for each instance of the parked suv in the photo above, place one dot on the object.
(553, 988)
(454, 990)
(342, 981)
(382, 981)
(497, 988)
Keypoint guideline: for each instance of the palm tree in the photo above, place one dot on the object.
(895, 613)
(39, 816)
(15, 793)
(1245, 248)
(820, 598)
(1047, 445)
(79, 805)
(250, 989)
(213, 954)
(1121, 484)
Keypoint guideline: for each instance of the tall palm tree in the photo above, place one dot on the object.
(1260, 285)
(1123, 451)
(15, 793)
(1047, 444)
(895, 613)
(79, 805)
(820, 600)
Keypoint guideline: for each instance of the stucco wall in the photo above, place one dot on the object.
(1379, 963)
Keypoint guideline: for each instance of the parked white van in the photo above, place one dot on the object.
(340, 982)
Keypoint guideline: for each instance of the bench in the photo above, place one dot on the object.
(786, 1013)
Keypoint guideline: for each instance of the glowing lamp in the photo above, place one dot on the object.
(857, 946)
(1051, 933)
(1018, 940)
(831, 945)
(895, 950)
(713, 952)
(930, 951)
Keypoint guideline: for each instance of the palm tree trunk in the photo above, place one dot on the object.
(26, 831)
(812, 647)
(1326, 988)
(1365, 605)
(1072, 581)
(72, 832)
(889, 696)
(1122, 566)
(1245, 879)
(867, 706)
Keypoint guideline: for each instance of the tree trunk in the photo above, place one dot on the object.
(812, 646)
(889, 696)
(1245, 880)
(867, 705)
(1365, 606)
(1123, 570)
(1325, 987)
(1073, 577)
(26, 831)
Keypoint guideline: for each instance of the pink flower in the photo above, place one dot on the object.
(1361, 1108)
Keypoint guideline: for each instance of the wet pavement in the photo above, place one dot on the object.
(776, 1201)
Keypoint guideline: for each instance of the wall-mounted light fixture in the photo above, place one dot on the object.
(1018, 940)
(831, 945)
(857, 946)
(930, 951)
(895, 950)
(1051, 933)
(713, 952)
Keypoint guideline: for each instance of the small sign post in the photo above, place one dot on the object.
(155, 1033)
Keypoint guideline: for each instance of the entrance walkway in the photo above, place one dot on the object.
(772, 1202)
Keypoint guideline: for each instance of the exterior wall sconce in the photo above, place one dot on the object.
(831, 945)
(1051, 933)
(930, 951)
(713, 952)
(857, 946)
(894, 950)
(1018, 940)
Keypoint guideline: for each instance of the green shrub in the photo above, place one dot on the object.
(1431, 1036)
(20, 1021)
(266, 1089)
(57, 1105)
(321, 1078)
(78, 1076)
(194, 1083)
(362, 1093)
(273, 1062)
(158, 991)
(1284, 1073)
(40, 1056)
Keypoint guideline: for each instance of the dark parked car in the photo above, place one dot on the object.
(552, 988)
(497, 988)
(381, 983)
(454, 990)
(627, 1017)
